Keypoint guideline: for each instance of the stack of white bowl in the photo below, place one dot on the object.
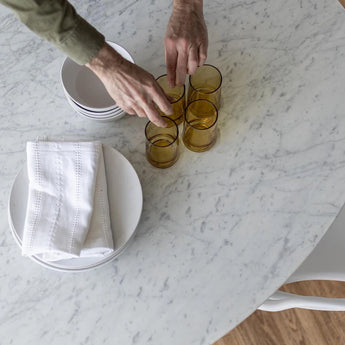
(85, 92)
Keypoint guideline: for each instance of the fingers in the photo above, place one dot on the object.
(146, 103)
(193, 60)
(171, 61)
(149, 111)
(160, 98)
(181, 68)
(145, 109)
(181, 59)
(153, 115)
(129, 111)
(202, 53)
(140, 112)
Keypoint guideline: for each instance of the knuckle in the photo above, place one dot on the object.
(183, 43)
(153, 83)
(129, 104)
(154, 91)
(192, 70)
(141, 99)
(153, 116)
(169, 41)
(123, 107)
(155, 88)
(129, 111)
(150, 81)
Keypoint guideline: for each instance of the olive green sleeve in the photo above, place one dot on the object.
(58, 22)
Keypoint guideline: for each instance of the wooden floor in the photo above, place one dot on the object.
(294, 326)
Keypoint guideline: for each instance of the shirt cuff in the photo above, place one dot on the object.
(83, 43)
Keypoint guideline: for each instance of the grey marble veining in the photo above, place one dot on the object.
(221, 230)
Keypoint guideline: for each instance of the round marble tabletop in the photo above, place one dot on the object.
(220, 230)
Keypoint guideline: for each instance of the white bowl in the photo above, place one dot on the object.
(84, 87)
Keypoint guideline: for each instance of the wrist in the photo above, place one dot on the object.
(106, 59)
(188, 6)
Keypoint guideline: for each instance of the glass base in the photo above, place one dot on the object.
(161, 165)
(199, 148)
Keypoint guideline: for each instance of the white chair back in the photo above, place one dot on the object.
(326, 262)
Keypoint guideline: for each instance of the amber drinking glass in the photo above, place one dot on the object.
(200, 126)
(162, 144)
(205, 83)
(176, 97)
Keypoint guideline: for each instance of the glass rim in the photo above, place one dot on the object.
(201, 129)
(184, 89)
(207, 93)
(177, 132)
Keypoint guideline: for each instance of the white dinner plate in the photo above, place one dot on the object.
(116, 115)
(84, 87)
(107, 119)
(125, 205)
(77, 106)
(97, 116)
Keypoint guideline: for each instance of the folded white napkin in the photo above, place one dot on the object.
(68, 212)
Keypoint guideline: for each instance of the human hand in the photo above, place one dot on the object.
(185, 41)
(132, 88)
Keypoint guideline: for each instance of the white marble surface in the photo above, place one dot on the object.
(221, 230)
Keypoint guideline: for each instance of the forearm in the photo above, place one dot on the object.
(58, 22)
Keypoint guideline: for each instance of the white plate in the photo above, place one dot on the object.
(97, 116)
(101, 113)
(108, 119)
(125, 204)
(116, 115)
(84, 87)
